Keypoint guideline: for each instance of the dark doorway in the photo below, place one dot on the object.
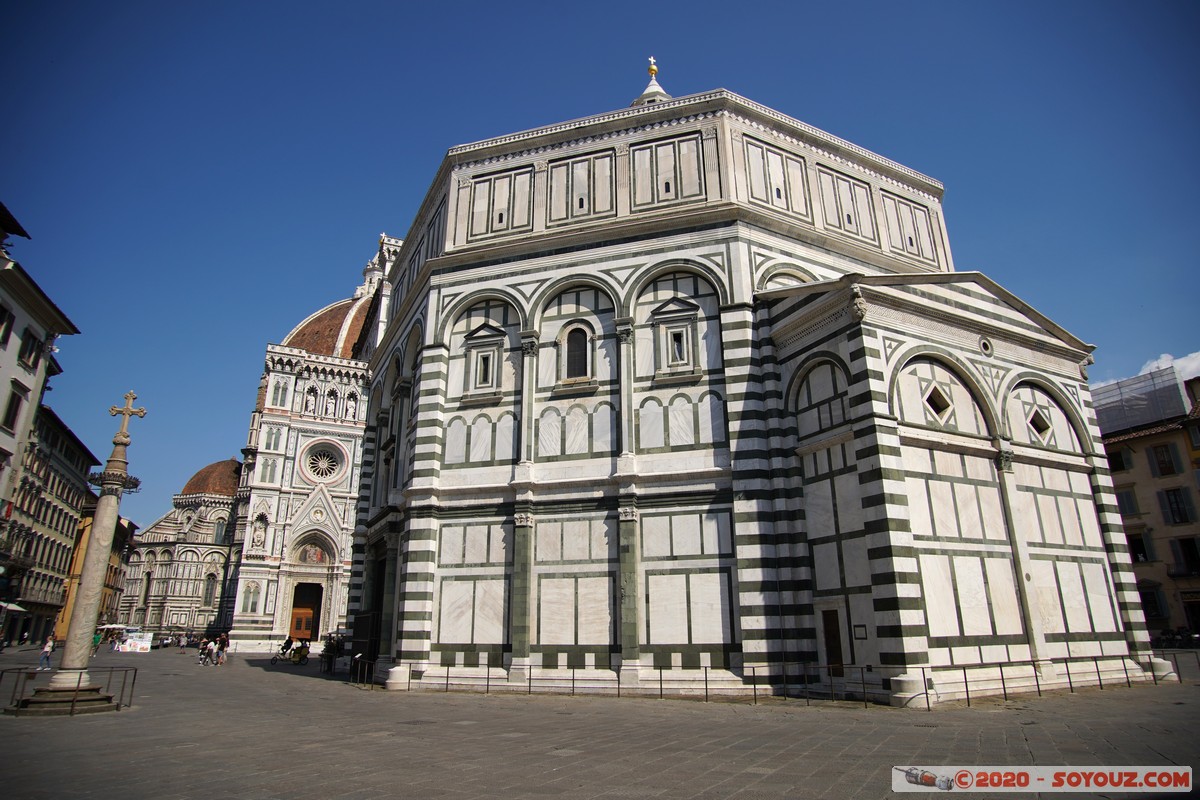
(833, 642)
(306, 611)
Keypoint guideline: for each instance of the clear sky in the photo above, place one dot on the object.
(199, 177)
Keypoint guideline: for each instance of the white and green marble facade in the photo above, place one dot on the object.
(746, 449)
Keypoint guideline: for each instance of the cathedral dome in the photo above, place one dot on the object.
(219, 478)
(333, 330)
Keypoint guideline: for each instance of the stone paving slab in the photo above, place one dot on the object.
(252, 730)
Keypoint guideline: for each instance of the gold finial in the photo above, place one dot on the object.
(653, 69)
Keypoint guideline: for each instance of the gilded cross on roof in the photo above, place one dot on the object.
(653, 68)
(126, 412)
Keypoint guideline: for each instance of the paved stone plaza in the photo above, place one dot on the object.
(252, 730)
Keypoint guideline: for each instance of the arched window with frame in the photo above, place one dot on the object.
(146, 589)
(219, 531)
(210, 590)
(577, 364)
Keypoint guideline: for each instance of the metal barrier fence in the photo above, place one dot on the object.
(25, 683)
(362, 673)
(807, 680)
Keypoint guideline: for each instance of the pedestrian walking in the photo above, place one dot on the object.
(222, 647)
(47, 649)
(97, 637)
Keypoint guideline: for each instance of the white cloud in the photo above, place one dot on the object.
(1187, 366)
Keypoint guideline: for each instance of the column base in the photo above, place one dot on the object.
(519, 670)
(630, 674)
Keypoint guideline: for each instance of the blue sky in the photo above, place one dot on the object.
(199, 177)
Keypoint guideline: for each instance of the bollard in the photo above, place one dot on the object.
(447, 680)
(1125, 666)
(660, 692)
(1096, 664)
(572, 681)
(805, 667)
(754, 683)
(487, 680)
(529, 690)
(1175, 661)
(1037, 680)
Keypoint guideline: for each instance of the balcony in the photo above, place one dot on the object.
(1184, 570)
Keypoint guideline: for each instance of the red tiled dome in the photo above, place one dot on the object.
(333, 330)
(219, 478)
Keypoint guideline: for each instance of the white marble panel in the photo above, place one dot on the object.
(576, 540)
(818, 509)
(577, 435)
(1047, 606)
(456, 442)
(556, 611)
(972, 596)
(856, 563)
(826, 574)
(475, 544)
(941, 497)
(643, 347)
(1003, 591)
(939, 595)
(603, 429)
(606, 357)
(1050, 528)
(710, 614)
(849, 502)
(547, 363)
(549, 433)
(498, 544)
(710, 420)
(656, 536)
(969, 522)
(1069, 514)
(1074, 600)
(948, 464)
(489, 611)
(604, 539)
(1090, 532)
(993, 515)
(916, 459)
(1056, 479)
(980, 469)
(710, 533)
(549, 541)
(456, 610)
(481, 439)
(685, 535)
(451, 544)
(918, 507)
(650, 425)
(667, 609)
(595, 610)
(1099, 597)
(504, 438)
(724, 535)
(682, 422)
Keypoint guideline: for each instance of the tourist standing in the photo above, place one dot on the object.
(47, 649)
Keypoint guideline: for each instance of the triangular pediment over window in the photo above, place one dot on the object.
(676, 306)
(485, 333)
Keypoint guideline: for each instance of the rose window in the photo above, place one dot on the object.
(322, 464)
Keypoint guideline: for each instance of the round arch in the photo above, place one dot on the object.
(806, 365)
(961, 370)
(784, 268)
(463, 304)
(656, 271)
(556, 287)
(1058, 395)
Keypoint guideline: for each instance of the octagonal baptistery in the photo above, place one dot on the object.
(692, 389)
(300, 485)
(180, 564)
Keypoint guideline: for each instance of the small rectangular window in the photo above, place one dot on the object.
(31, 349)
(1127, 502)
(1162, 461)
(1138, 551)
(12, 411)
(7, 318)
(1118, 461)
(483, 370)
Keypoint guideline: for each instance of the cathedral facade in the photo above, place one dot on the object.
(693, 389)
(260, 548)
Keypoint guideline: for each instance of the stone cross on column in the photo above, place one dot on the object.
(126, 412)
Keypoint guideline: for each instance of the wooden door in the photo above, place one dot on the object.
(302, 623)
